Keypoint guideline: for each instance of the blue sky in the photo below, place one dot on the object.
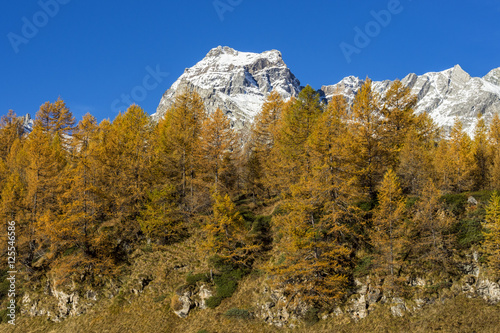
(92, 53)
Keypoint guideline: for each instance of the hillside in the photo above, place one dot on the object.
(358, 214)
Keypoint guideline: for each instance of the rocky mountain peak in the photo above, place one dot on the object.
(458, 75)
(217, 51)
(445, 95)
(237, 82)
(347, 87)
(493, 76)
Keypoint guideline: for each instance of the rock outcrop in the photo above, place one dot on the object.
(57, 304)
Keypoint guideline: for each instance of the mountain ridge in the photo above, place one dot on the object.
(238, 82)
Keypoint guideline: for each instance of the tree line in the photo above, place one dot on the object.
(350, 187)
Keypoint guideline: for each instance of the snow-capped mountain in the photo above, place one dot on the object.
(444, 95)
(239, 82)
(236, 82)
(27, 123)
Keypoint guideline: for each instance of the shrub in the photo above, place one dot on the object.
(238, 313)
(213, 301)
(261, 224)
(410, 202)
(225, 285)
(193, 279)
(469, 232)
(311, 316)
(226, 282)
(4, 284)
(363, 267)
(455, 203)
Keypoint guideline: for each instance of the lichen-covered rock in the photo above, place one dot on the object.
(203, 294)
(399, 307)
(182, 304)
(279, 309)
(358, 308)
(489, 291)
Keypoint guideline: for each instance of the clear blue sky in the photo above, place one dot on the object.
(91, 52)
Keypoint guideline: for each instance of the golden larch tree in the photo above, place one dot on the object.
(388, 235)
(491, 243)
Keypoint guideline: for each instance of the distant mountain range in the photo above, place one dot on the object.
(239, 82)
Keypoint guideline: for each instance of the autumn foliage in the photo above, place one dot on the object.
(335, 191)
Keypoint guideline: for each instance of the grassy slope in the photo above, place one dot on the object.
(143, 315)
(169, 266)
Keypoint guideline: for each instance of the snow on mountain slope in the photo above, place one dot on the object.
(27, 123)
(236, 82)
(444, 95)
(239, 82)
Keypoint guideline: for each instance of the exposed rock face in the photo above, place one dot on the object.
(489, 291)
(280, 310)
(236, 82)
(483, 288)
(57, 304)
(239, 82)
(28, 123)
(203, 295)
(444, 95)
(185, 300)
(348, 87)
(183, 304)
(493, 76)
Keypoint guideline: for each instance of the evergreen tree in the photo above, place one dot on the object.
(291, 157)
(454, 161)
(314, 257)
(480, 155)
(397, 110)
(491, 242)
(56, 119)
(316, 229)
(79, 203)
(367, 128)
(179, 135)
(160, 218)
(298, 123)
(415, 162)
(10, 130)
(123, 175)
(216, 149)
(388, 236)
(41, 196)
(226, 235)
(494, 153)
(259, 159)
(430, 240)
